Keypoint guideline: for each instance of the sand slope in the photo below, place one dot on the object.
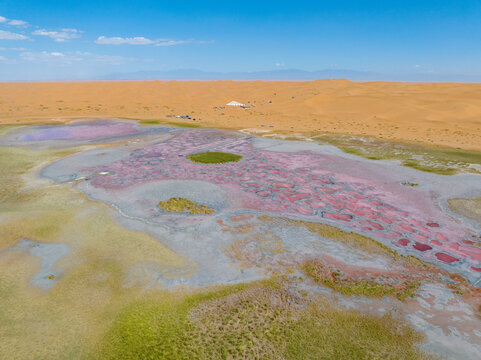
(446, 114)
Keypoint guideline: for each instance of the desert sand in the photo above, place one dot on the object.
(445, 114)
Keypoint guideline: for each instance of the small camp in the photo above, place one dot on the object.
(235, 103)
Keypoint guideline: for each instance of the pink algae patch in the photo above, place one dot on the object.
(280, 185)
(403, 242)
(296, 197)
(276, 182)
(472, 249)
(420, 237)
(472, 255)
(264, 193)
(253, 185)
(304, 211)
(394, 234)
(327, 191)
(318, 204)
(343, 217)
(405, 227)
(441, 237)
(375, 225)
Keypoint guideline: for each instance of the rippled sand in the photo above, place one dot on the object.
(446, 114)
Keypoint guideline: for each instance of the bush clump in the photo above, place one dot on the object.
(178, 204)
(214, 157)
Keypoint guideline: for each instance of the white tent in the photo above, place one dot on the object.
(235, 103)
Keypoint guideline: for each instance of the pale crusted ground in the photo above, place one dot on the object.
(447, 114)
(470, 208)
(81, 279)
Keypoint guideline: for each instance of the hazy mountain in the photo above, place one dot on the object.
(288, 75)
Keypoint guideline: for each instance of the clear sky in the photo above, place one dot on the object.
(82, 39)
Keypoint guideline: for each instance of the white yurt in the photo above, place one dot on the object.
(235, 103)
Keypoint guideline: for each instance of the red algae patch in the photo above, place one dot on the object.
(282, 183)
(403, 242)
(446, 258)
(422, 247)
(299, 183)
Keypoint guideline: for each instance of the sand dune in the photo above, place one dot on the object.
(447, 114)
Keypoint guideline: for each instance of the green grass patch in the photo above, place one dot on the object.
(80, 307)
(7, 128)
(326, 333)
(436, 160)
(256, 321)
(473, 157)
(178, 204)
(214, 157)
(351, 238)
(168, 123)
(335, 279)
(342, 283)
(440, 170)
(15, 162)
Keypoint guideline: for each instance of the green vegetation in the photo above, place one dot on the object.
(168, 123)
(105, 307)
(343, 282)
(93, 287)
(214, 157)
(441, 161)
(440, 170)
(262, 321)
(340, 282)
(407, 183)
(360, 241)
(178, 204)
(7, 128)
(325, 333)
(15, 162)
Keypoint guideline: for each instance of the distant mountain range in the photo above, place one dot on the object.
(287, 75)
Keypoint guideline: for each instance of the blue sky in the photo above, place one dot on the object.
(63, 39)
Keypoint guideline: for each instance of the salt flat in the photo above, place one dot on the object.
(333, 226)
